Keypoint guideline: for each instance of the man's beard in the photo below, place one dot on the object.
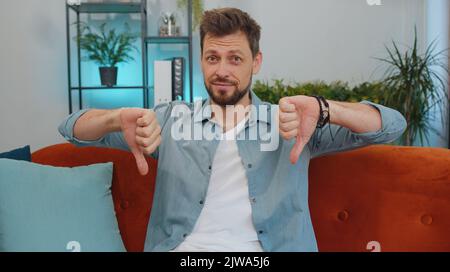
(224, 100)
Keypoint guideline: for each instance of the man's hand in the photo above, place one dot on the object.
(298, 119)
(142, 133)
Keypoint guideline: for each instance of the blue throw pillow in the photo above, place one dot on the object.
(45, 208)
(22, 154)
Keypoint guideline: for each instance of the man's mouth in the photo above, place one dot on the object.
(223, 87)
(222, 84)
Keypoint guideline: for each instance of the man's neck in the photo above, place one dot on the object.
(229, 116)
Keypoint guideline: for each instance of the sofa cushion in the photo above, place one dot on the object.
(132, 193)
(397, 196)
(22, 154)
(44, 208)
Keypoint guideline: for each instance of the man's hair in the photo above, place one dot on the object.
(225, 21)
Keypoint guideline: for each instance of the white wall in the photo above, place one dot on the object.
(33, 72)
(330, 40)
(438, 12)
(301, 40)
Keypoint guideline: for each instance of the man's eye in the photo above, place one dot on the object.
(211, 58)
(237, 59)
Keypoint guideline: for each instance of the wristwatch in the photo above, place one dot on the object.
(324, 116)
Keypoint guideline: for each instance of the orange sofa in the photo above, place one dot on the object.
(382, 197)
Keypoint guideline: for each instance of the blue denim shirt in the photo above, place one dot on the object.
(278, 190)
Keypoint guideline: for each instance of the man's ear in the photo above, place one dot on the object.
(257, 62)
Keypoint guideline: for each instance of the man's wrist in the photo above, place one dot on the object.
(324, 111)
(335, 109)
(113, 120)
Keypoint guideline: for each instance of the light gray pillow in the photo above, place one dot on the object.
(45, 208)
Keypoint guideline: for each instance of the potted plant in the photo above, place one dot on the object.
(107, 48)
(415, 85)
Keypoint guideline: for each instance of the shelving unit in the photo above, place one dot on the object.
(124, 8)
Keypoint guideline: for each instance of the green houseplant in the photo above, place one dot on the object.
(107, 48)
(415, 85)
(337, 90)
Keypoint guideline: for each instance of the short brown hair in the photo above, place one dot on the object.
(225, 21)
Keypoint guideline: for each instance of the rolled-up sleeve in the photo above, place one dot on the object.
(333, 138)
(114, 139)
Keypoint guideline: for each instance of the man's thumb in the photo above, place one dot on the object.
(296, 151)
(141, 162)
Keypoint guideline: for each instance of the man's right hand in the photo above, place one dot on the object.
(142, 133)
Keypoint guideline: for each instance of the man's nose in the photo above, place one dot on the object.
(223, 70)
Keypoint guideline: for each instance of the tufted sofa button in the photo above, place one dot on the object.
(426, 219)
(124, 204)
(343, 215)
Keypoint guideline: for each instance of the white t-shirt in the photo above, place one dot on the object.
(225, 222)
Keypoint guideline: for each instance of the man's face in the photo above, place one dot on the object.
(228, 66)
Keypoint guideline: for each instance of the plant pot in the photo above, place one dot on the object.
(108, 76)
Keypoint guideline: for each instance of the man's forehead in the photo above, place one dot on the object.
(229, 51)
(232, 43)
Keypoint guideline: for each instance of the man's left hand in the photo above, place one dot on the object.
(298, 116)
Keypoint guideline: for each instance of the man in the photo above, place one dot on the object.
(225, 194)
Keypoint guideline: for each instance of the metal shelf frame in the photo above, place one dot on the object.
(123, 8)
